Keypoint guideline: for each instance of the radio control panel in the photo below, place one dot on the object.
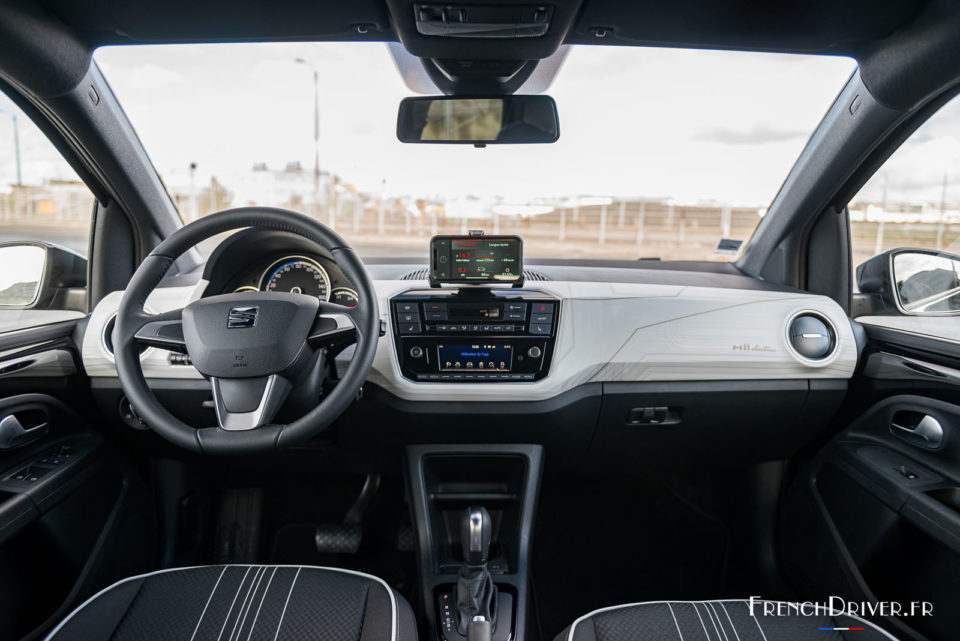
(474, 335)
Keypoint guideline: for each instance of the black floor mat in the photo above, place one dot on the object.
(292, 541)
(598, 544)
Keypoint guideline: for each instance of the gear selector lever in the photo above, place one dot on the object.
(475, 592)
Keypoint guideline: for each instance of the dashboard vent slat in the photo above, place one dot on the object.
(423, 273)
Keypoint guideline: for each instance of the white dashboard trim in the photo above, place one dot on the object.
(608, 332)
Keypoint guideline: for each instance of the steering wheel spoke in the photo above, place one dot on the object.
(247, 403)
(164, 331)
(335, 326)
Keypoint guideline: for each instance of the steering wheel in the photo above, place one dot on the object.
(256, 348)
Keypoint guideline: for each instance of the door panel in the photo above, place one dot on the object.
(74, 517)
(876, 514)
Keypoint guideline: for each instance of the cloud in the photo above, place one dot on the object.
(758, 135)
(153, 77)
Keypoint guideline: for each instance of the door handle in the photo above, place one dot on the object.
(14, 435)
(927, 432)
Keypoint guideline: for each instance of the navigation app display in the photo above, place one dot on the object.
(485, 258)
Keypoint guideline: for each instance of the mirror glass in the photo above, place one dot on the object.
(21, 272)
(493, 120)
(927, 282)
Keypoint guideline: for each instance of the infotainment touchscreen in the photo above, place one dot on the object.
(459, 259)
(475, 357)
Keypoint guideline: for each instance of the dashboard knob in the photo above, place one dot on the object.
(416, 351)
(534, 352)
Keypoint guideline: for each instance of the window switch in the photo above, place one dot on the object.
(906, 472)
(29, 474)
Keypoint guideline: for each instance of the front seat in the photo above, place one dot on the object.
(243, 602)
(718, 621)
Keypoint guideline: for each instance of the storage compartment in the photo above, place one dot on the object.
(948, 496)
(720, 424)
(453, 484)
(896, 559)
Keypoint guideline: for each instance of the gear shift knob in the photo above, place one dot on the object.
(476, 529)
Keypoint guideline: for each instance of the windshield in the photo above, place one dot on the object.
(662, 153)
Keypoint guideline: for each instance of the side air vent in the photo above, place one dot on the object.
(423, 273)
(812, 336)
(106, 338)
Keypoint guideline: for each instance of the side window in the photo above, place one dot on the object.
(905, 225)
(45, 213)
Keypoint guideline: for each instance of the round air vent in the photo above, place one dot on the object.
(106, 339)
(811, 336)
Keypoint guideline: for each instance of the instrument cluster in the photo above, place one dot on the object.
(299, 274)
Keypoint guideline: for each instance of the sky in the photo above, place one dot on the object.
(916, 171)
(635, 122)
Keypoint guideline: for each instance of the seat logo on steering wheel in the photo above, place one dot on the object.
(240, 317)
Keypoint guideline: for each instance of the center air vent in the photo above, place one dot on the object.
(812, 336)
(423, 274)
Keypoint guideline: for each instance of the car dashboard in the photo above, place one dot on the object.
(615, 364)
(600, 331)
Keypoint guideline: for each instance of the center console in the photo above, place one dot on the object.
(473, 508)
(474, 334)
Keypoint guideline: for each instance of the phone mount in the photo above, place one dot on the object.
(436, 284)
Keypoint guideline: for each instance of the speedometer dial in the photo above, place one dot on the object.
(297, 275)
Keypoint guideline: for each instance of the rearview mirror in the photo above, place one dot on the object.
(913, 281)
(478, 121)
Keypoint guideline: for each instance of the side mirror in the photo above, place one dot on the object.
(912, 281)
(37, 275)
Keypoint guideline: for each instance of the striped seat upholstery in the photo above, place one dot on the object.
(243, 603)
(718, 621)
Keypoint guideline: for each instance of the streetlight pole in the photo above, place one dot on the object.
(316, 135)
(16, 145)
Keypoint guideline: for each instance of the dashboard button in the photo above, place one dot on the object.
(409, 328)
(406, 308)
(515, 316)
(408, 318)
(436, 315)
(540, 329)
(416, 351)
(541, 318)
(533, 352)
(515, 307)
(543, 308)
